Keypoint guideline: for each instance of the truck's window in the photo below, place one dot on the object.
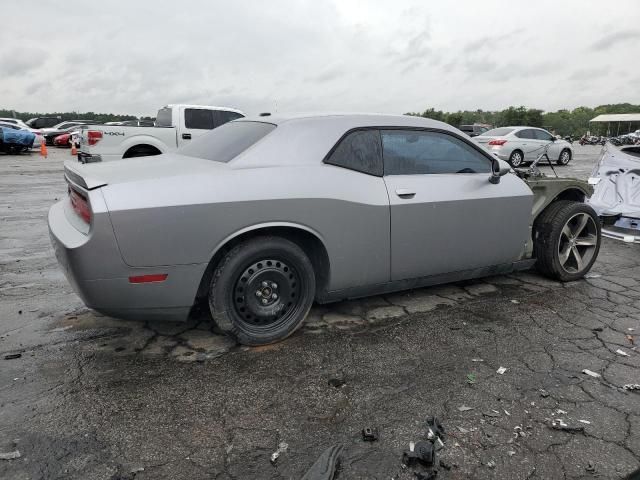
(163, 119)
(198, 118)
(221, 117)
(227, 142)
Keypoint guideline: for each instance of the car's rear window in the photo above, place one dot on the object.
(498, 132)
(227, 141)
(163, 118)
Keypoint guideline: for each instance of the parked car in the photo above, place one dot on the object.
(69, 127)
(43, 122)
(475, 129)
(175, 126)
(616, 197)
(15, 121)
(519, 145)
(38, 136)
(261, 216)
(14, 139)
(64, 140)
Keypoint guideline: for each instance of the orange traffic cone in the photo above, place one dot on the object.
(43, 149)
(74, 150)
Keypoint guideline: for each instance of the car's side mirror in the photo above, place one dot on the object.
(553, 139)
(499, 168)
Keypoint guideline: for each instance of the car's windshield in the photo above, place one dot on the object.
(227, 141)
(63, 125)
(498, 132)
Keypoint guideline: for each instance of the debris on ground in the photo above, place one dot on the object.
(590, 467)
(597, 329)
(592, 275)
(511, 453)
(632, 387)
(491, 464)
(422, 452)
(544, 393)
(337, 381)
(586, 422)
(501, 371)
(10, 455)
(477, 360)
(435, 431)
(561, 412)
(464, 408)
(622, 353)
(325, 466)
(462, 429)
(559, 424)
(591, 373)
(631, 339)
(506, 413)
(12, 356)
(282, 447)
(369, 434)
(518, 431)
(491, 413)
(471, 378)
(516, 302)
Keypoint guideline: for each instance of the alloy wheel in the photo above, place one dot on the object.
(516, 159)
(578, 243)
(565, 156)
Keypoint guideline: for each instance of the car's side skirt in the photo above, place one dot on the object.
(390, 287)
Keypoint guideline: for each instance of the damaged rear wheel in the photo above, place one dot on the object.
(567, 240)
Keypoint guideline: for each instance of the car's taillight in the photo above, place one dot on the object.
(497, 142)
(94, 136)
(80, 205)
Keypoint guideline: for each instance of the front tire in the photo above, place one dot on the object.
(262, 290)
(516, 159)
(565, 157)
(567, 240)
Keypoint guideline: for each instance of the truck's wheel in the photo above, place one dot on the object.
(567, 240)
(262, 290)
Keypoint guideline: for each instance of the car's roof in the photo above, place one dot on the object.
(352, 120)
(207, 107)
(520, 127)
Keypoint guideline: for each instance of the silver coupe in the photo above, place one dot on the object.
(262, 216)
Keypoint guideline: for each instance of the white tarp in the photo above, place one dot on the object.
(616, 180)
(617, 117)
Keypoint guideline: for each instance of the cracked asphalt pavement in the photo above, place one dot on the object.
(92, 397)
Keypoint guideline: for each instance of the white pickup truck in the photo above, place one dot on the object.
(175, 126)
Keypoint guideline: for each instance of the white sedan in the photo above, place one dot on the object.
(518, 145)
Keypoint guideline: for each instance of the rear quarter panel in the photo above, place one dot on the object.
(185, 220)
(116, 140)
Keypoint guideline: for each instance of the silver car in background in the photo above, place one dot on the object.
(261, 217)
(520, 145)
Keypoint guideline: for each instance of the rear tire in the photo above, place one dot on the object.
(565, 157)
(516, 159)
(567, 240)
(262, 290)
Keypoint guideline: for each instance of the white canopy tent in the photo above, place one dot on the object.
(619, 119)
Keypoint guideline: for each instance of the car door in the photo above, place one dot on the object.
(544, 139)
(195, 122)
(527, 143)
(445, 214)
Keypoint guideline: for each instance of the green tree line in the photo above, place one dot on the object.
(98, 117)
(563, 122)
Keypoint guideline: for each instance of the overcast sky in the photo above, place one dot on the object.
(342, 55)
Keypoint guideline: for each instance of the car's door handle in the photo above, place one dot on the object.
(186, 136)
(405, 193)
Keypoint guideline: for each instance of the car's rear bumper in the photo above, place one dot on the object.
(94, 267)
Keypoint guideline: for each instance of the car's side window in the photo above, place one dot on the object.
(199, 118)
(542, 135)
(414, 152)
(359, 150)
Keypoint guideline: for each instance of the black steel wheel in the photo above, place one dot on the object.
(262, 290)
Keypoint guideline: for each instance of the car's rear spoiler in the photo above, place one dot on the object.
(72, 173)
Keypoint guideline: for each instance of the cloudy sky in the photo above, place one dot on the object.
(133, 56)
